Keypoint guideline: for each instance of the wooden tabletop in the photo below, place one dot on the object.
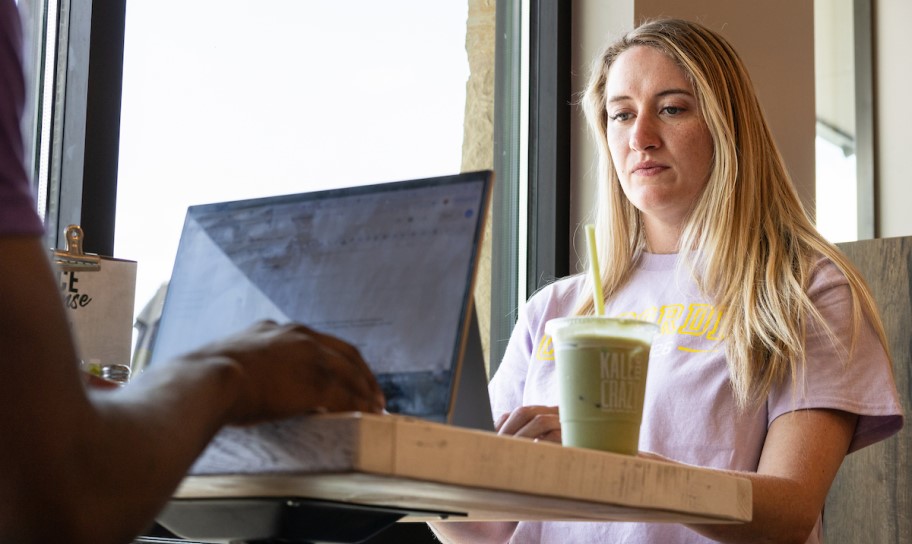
(445, 472)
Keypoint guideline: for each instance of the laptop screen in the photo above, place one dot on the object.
(389, 268)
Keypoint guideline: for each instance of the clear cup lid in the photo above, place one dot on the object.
(563, 328)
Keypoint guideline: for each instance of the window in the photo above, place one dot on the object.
(844, 144)
(226, 100)
(837, 214)
(169, 54)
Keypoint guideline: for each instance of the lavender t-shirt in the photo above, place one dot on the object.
(17, 205)
(690, 414)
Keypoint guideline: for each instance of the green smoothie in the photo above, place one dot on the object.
(602, 365)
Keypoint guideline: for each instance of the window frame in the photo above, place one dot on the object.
(864, 120)
(85, 75)
(531, 211)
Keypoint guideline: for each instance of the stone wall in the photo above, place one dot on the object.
(478, 136)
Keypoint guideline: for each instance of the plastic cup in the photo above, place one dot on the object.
(601, 364)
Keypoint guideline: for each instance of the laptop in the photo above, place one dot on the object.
(388, 267)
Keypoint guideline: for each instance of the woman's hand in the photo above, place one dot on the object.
(536, 422)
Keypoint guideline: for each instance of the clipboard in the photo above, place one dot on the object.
(98, 294)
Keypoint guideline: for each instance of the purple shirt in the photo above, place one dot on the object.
(690, 414)
(17, 205)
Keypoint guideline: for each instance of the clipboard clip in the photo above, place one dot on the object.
(73, 259)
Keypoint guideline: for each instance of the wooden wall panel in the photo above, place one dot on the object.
(871, 499)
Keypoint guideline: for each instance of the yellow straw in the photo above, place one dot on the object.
(597, 296)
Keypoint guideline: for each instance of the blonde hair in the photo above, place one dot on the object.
(753, 241)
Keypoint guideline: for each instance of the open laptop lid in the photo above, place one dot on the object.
(389, 267)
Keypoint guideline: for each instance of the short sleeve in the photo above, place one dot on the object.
(859, 380)
(526, 371)
(507, 385)
(17, 205)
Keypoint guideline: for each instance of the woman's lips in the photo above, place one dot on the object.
(649, 168)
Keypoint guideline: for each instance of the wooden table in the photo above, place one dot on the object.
(428, 471)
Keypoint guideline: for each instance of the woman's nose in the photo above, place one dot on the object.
(645, 134)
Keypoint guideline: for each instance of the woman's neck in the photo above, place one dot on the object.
(662, 239)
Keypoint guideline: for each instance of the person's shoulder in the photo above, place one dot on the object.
(824, 273)
(560, 287)
(563, 293)
(558, 298)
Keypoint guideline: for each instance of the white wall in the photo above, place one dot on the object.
(893, 124)
(594, 23)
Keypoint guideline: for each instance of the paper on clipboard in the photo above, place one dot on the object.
(98, 294)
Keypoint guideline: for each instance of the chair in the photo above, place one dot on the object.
(871, 498)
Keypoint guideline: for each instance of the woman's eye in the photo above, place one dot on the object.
(622, 116)
(672, 110)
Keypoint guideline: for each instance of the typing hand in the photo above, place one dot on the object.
(290, 369)
(536, 422)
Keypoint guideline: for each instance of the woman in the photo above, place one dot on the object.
(771, 361)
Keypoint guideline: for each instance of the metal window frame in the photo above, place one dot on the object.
(549, 143)
(85, 139)
(531, 223)
(866, 185)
